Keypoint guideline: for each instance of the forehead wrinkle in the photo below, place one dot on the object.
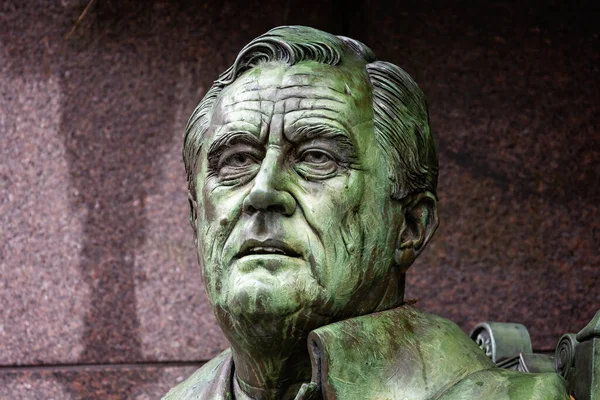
(235, 127)
(237, 98)
(257, 90)
(297, 117)
(308, 131)
(283, 96)
(311, 104)
(279, 92)
(267, 111)
(242, 109)
(302, 74)
(235, 103)
(300, 122)
(248, 109)
(250, 116)
(299, 95)
(308, 85)
(318, 94)
(249, 94)
(338, 80)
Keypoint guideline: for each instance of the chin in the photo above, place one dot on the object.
(261, 313)
(257, 301)
(263, 292)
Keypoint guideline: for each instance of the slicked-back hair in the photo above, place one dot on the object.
(400, 116)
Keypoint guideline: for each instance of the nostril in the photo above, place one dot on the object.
(248, 208)
(277, 208)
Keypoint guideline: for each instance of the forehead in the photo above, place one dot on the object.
(277, 75)
(298, 91)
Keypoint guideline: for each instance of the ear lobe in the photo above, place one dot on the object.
(420, 223)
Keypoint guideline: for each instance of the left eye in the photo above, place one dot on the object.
(316, 165)
(316, 157)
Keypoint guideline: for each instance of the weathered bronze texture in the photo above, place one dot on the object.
(312, 180)
(577, 359)
(500, 340)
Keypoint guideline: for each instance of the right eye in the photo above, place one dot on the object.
(238, 162)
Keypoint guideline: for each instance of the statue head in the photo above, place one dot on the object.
(312, 180)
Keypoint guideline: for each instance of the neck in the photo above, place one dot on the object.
(270, 353)
(394, 294)
(271, 371)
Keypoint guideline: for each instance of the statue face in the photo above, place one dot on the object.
(294, 211)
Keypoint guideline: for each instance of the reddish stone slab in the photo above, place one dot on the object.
(101, 382)
(96, 256)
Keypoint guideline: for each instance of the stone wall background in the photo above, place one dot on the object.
(101, 296)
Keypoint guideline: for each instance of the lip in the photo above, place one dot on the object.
(269, 247)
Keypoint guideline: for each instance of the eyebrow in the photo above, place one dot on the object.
(225, 139)
(308, 132)
(301, 132)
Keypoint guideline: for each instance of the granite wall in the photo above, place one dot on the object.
(101, 296)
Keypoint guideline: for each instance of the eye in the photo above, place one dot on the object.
(316, 157)
(316, 164)
(238, 163)
(239, 160)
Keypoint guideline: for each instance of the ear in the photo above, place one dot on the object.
(193, 215)
(418, 227)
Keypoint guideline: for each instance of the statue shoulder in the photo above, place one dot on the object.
(211, 381)
(488, 383)
(400, 351)
(501, 384)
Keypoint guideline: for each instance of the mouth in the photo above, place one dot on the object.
(269, 247)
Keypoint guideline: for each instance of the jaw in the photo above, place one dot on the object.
(266, 333)
(275, 288)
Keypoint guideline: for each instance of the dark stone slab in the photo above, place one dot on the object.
(513, 98)
(101, 382)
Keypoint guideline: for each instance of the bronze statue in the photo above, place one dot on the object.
(312, 183)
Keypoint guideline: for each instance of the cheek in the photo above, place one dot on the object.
(358, 237)
(343, 263)
(220, 209)
(218, 213)
(326, 203)
(334, 212)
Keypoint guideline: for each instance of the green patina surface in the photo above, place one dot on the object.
(401, 353)
(312, 176)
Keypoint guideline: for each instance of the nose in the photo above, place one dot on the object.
(266, 194)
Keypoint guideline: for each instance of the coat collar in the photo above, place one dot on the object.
(398, 353)
(402, 351)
